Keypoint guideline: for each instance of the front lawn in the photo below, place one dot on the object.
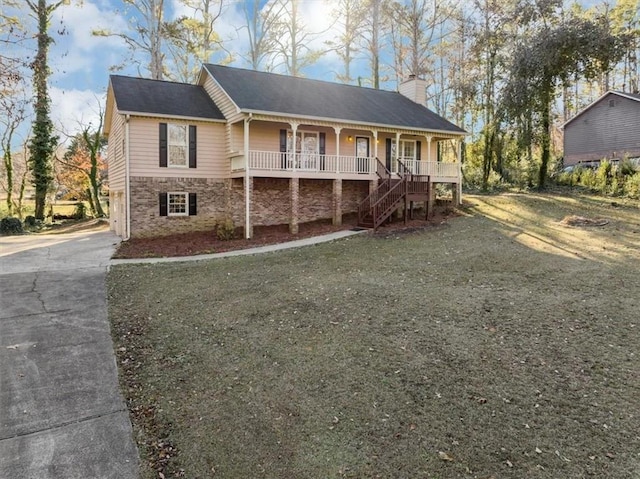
(500, 344)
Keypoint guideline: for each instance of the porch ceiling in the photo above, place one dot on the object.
(436, 135)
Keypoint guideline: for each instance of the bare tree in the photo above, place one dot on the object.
(147, 23)
(14, 116)
(370, 38)
(192, 39)
(260, 22)
(419, 22)
(291, 38)
(349, 16)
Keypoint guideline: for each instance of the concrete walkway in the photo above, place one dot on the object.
(260, 249)
(61, 412)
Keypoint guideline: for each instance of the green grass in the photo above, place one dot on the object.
(60, 207)
(502, 340)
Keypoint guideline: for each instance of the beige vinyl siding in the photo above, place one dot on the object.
(264, 136)
(604, 131)
(212, 161)
(236, 136)
(116, 152)
(220, 98)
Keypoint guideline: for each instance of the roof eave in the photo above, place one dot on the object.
(176, 117)
(352, 122)
(108, 114)
(593, 103)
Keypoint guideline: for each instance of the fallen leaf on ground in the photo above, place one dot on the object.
(444, 456)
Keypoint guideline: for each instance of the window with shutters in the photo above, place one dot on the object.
(177, 204)
(177, 145)
(407, 149)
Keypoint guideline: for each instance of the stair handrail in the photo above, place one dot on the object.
(403, 170)
(366, 205)
(380, 214)
(382, 171)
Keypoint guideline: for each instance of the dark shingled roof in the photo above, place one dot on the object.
(259, 91)
(140, 95)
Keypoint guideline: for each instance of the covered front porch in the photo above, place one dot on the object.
(266, 147)
(314, 165)
(270, 146)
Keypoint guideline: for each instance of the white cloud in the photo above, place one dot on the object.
(73, 109)
(76, 49)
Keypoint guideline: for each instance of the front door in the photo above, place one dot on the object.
(362, 154)
(307, 150)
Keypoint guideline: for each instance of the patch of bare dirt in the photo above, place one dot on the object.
(582, 221)
(206, 242)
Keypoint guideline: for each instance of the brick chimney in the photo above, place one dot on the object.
(415, 89)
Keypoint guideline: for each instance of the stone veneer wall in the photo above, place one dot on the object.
(212, 196)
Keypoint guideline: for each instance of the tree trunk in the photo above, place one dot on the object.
(546, 136)
(95, 194)
(375, 45)
(42, 143)
(8, 164)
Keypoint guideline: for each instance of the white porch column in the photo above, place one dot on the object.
(337, 129)
(372, 167)
(429, 137)
(397, 153)
(247, 186)
(294, 129)
(458, 186)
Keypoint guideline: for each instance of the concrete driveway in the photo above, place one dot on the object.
(61, 413)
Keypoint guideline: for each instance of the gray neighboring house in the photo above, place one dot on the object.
(607, 128)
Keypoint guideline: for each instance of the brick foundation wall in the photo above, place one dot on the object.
(316, 200)
(353, 192)
(220, 199)
(213, 198)
(271, 203)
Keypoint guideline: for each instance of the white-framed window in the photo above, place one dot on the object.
(306, 141)
(307, 148)
(177, 204)
(407, 149)
(178, 145)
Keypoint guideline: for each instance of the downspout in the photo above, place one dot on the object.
(247, 191)
(126, 177)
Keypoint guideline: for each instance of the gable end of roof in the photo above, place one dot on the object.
(162, 98)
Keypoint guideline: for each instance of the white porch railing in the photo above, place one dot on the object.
(435, 169)
(276, 161)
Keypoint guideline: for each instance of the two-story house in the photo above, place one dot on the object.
(264, 149)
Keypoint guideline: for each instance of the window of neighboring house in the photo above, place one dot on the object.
(177, 204)
(177, 144)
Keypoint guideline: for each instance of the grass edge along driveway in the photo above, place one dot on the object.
(502, 344)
